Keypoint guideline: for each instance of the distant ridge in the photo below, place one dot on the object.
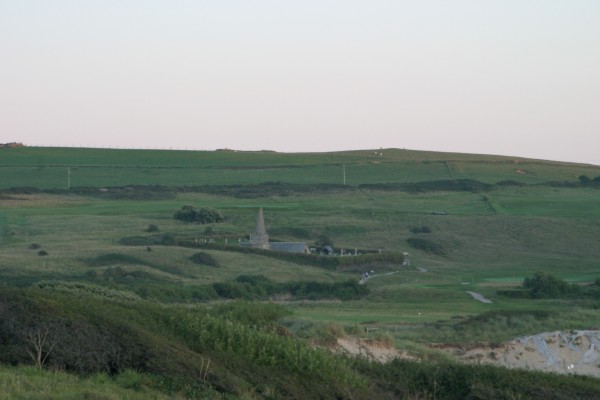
(384, 153)
(62, 167)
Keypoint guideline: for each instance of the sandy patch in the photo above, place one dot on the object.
(565, 352)
(372, 349)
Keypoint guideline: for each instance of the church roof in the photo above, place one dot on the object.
(289, 247)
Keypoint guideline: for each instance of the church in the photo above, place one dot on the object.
(260, 239)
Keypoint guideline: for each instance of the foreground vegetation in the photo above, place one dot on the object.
(151, 307)
(221, 351)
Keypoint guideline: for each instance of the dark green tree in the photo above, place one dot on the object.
(187, 214)
(545, 285)
(206, 215)
(324, 240)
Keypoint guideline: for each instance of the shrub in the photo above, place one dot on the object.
(510, 183)
(42, 253)
(584, 179)
(208, 215)
(205, 259)
(452, 185)
(420, 229)
(35, 246)
(110, 259)
(426, 245)
(545, 285)
(187, 214)
(324, 240)
(168, 240)
(169, 293)
(152, 228)
(70, 342)
(259, 287)
(515, 293)
(205, 215)
(252, 314)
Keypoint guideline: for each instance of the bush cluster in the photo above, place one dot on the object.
(203, 258)
(420, 229)
(587, 181)
(543, 285)
(83, 345)
(259, 287)
(244, 287)
(205, 215)
(448, 185)
(165, 239)
(426, 245)
(450, 381)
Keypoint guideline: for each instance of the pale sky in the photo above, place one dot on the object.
(511, 77)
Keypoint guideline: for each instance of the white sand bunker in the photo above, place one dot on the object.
(480, 298)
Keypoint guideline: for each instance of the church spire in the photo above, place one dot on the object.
(260, 238)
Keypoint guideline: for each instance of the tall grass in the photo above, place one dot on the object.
(34, 383)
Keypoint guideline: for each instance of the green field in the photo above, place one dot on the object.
(485, 240)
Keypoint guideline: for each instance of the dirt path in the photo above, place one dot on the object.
(364, 279)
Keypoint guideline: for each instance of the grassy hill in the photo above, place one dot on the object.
(47, 167)
(469, 223)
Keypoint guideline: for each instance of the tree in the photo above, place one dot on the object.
(206, 215)
(324, 240)
(39, 345)
(545, 285)
(187, 214)
(152, 228)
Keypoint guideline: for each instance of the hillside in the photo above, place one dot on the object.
(105, 258)
(47, 167)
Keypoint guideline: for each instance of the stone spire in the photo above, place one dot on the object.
(260, 238)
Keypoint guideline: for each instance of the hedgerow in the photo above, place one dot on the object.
(543, 285)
